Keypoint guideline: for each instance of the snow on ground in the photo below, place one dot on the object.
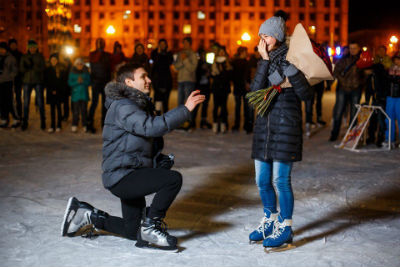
(347, 205)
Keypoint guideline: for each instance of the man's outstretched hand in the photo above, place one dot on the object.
(194, 99)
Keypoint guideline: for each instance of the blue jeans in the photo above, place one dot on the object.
(184, 90)
(393, 111)
(280, 172)
(39, 100)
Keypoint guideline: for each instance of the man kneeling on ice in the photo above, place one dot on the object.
(133, 165)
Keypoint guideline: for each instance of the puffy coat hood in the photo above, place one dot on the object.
(117, 90)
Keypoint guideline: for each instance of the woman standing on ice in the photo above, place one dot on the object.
(277, 141)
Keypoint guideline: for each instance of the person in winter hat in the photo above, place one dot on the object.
(277, 140)
(32, 66)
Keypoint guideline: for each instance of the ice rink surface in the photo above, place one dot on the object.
(347, 205)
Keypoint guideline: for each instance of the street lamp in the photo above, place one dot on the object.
(394, 39)
(246, 37)
(110, 30)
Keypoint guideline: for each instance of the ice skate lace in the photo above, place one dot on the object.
(278, 230)
(264, 223)
(161, 227)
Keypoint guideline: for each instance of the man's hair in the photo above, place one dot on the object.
(126, 71)
(189, 39)
(354, 42)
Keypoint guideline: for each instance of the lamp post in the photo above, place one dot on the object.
(393, 43)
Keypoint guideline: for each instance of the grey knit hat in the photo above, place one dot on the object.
(275, 27)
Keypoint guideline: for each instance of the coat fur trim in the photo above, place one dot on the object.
(117, 90)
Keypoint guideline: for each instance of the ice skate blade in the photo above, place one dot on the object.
(65, 224)
(148, 247)
(252, 242)
(282, 248)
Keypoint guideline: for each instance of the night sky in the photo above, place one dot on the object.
(368, 14)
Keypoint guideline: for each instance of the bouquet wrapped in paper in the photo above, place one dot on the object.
(308, 57)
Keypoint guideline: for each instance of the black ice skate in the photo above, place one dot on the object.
(153, 234)
(82, 219)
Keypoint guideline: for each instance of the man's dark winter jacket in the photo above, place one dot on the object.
(278, 135)
(32, 66)
(100, 66)
(132, 135)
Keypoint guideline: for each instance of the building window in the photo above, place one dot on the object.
(77, 2)
(226, 29)
(161, 3)
(327, 3)
(29, 2)
(262, 16)
(212, 15)
(101, 2)
(226, 15)
(176, 29)
(287, 3)
(187, 15)
(87, 2)
(161, 29)
(327, 17)
(251, 2)
(151, 28)
(337, 17)
(262, 2)
(137, 15)
(301, 16)
(87, 28)
(212, 2)
(112, 2)
(302, 3)
(212, 29)
(251, 15)
(187, 3)
(151, 15)
(276, 3)
(126, 28)
(101, 15)
(201, 2)
(311, 3)
(226, 2)
(151, 2)
(176, 2)
(87, 15)
(237, 2)
(237, 15)
(326, 30)
(312, 16)
(126, 2)
(29, 15)
(161, 15)
(39, 14)
(77, 15)
(337, 3)
(176, 15)
(201, 29)
(337, 31)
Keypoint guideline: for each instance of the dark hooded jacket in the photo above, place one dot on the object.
(132, 134)
(278, 134)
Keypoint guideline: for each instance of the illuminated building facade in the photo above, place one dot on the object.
(206, 21)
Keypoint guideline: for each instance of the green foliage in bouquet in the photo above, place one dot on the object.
(262, 99)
